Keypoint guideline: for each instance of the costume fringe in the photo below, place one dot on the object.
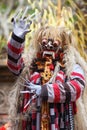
(80, 117)
(14, 94)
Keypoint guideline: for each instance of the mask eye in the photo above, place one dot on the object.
(44, 42)
(56, 43)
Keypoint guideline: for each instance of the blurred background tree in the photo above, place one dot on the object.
(51, 10)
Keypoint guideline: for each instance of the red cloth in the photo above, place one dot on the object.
(2, 128)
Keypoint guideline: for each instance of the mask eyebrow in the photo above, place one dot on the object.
(50, 40)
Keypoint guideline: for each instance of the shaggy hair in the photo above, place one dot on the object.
(71, 57)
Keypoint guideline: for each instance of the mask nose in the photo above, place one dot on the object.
(49, 45)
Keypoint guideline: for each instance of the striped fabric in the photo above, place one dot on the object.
(71, 90)
(61, 113)
(60, 77)
(35, 78)
(60, 95)
(15, 49)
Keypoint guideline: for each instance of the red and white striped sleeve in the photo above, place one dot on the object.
(15, 48)
(64, 91)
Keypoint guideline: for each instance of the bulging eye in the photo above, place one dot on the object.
(56, 43)
(44, 41)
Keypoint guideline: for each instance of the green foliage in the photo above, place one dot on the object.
(3, 8)
(2, 42)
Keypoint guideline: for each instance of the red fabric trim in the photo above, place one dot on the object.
(18, 67)
(61, 72)
(21, 60)
(24, 123)
(77, 88)
(33, 127)
(56, 93)
(74, 108)
(26, 99)
(34, 115)
(77, 74)
(2, 128)
(59, 79)
(35, 77)
(15, 50)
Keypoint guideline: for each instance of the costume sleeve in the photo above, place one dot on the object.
(64, 91)
(15, 48)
